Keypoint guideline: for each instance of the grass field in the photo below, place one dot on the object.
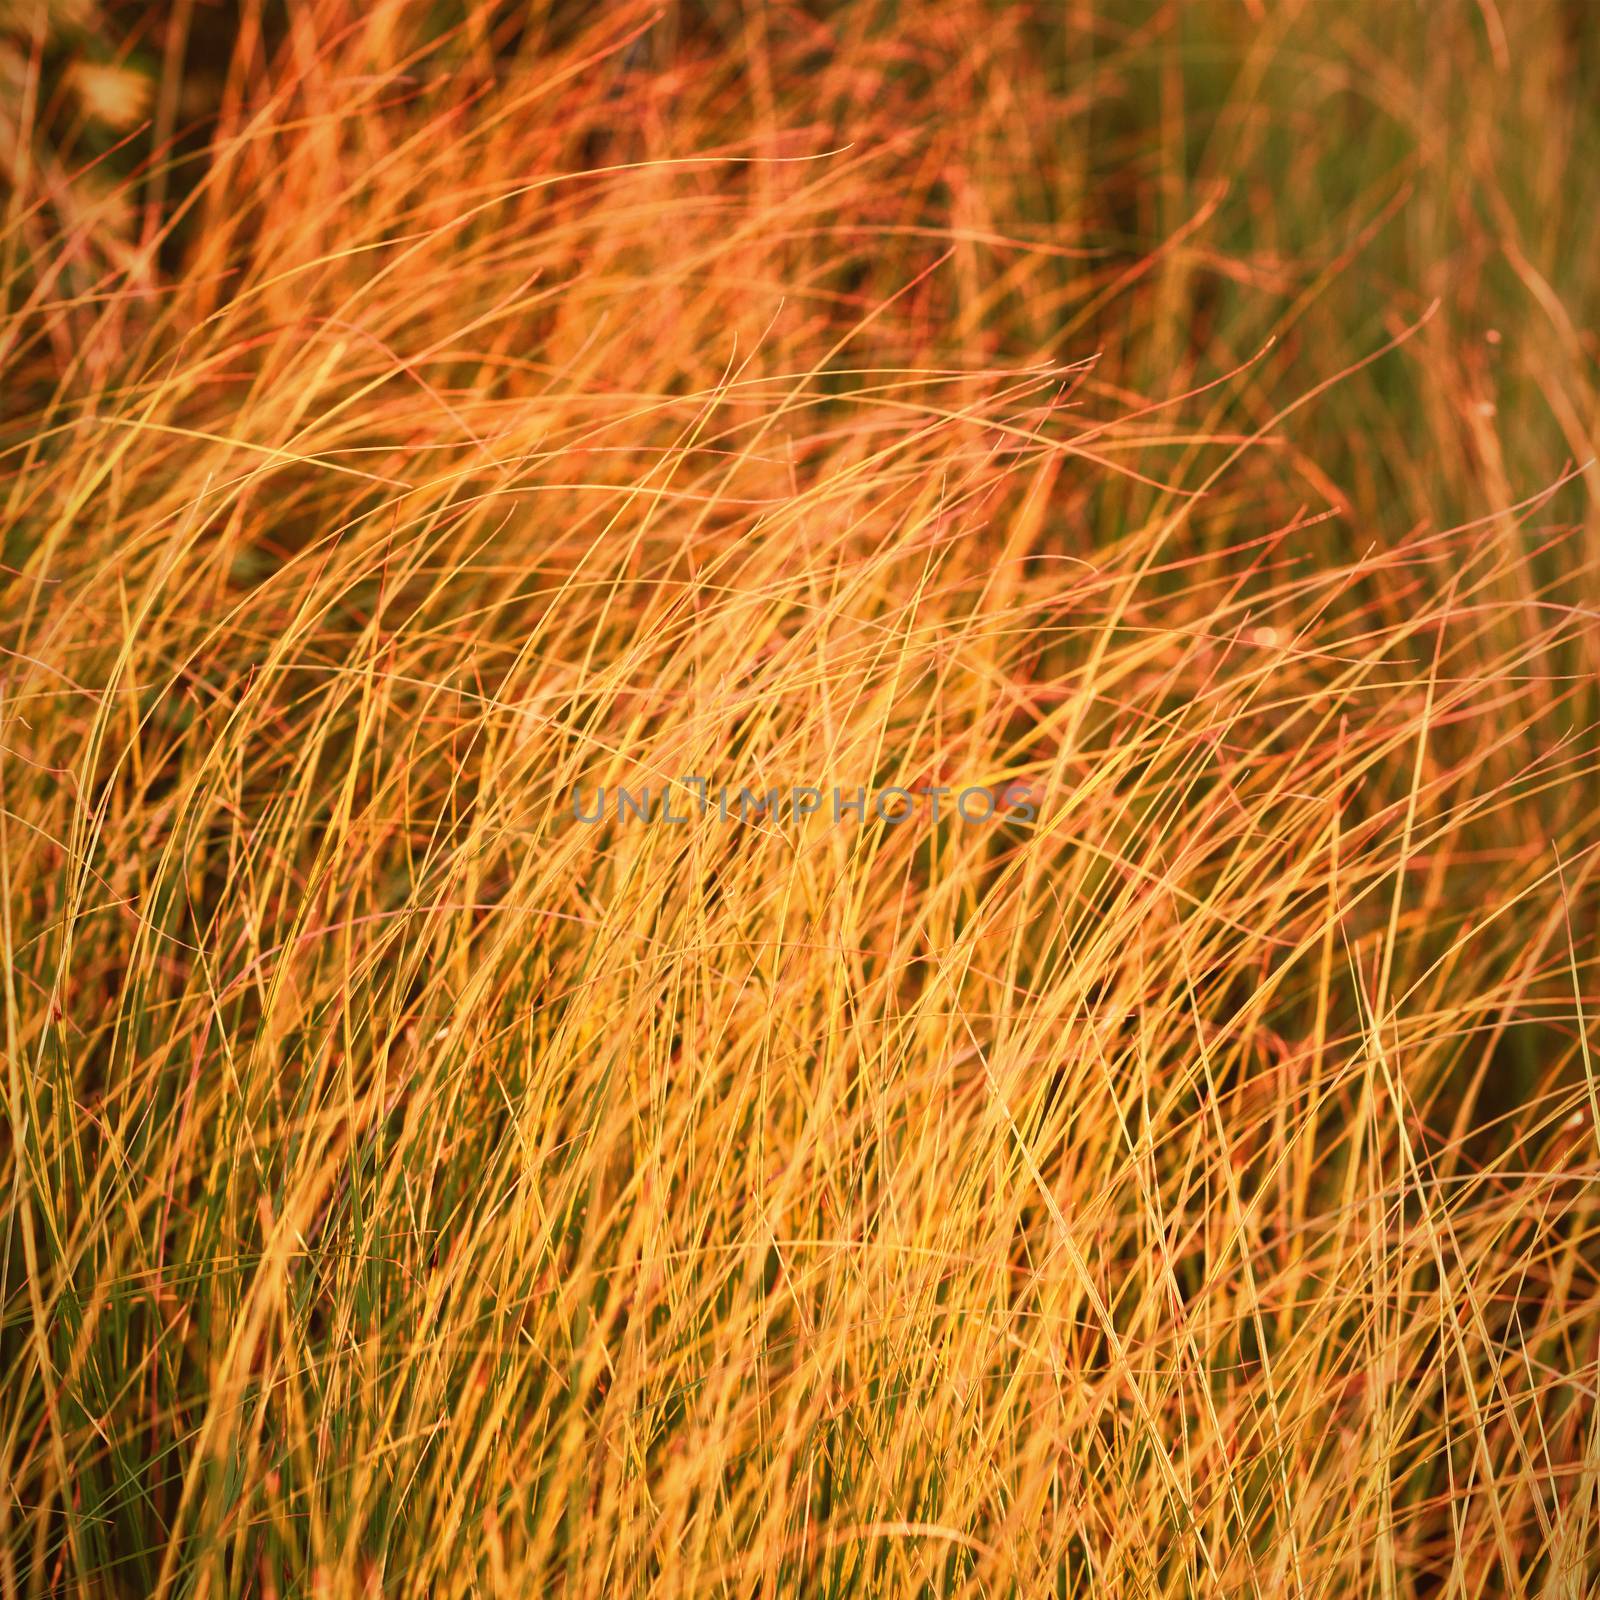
(1174, 421)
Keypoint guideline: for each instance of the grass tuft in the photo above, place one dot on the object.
(1176, 422)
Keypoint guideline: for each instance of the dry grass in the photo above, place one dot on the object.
(1184, 411)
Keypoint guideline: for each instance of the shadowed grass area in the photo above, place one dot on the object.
(1175, 421)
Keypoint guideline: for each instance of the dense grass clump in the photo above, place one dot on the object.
(1174, 421)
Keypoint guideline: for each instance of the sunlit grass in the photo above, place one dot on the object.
(1185, 412)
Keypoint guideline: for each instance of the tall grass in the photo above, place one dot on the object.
(414, 414)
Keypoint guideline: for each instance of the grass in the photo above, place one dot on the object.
(412, 414)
